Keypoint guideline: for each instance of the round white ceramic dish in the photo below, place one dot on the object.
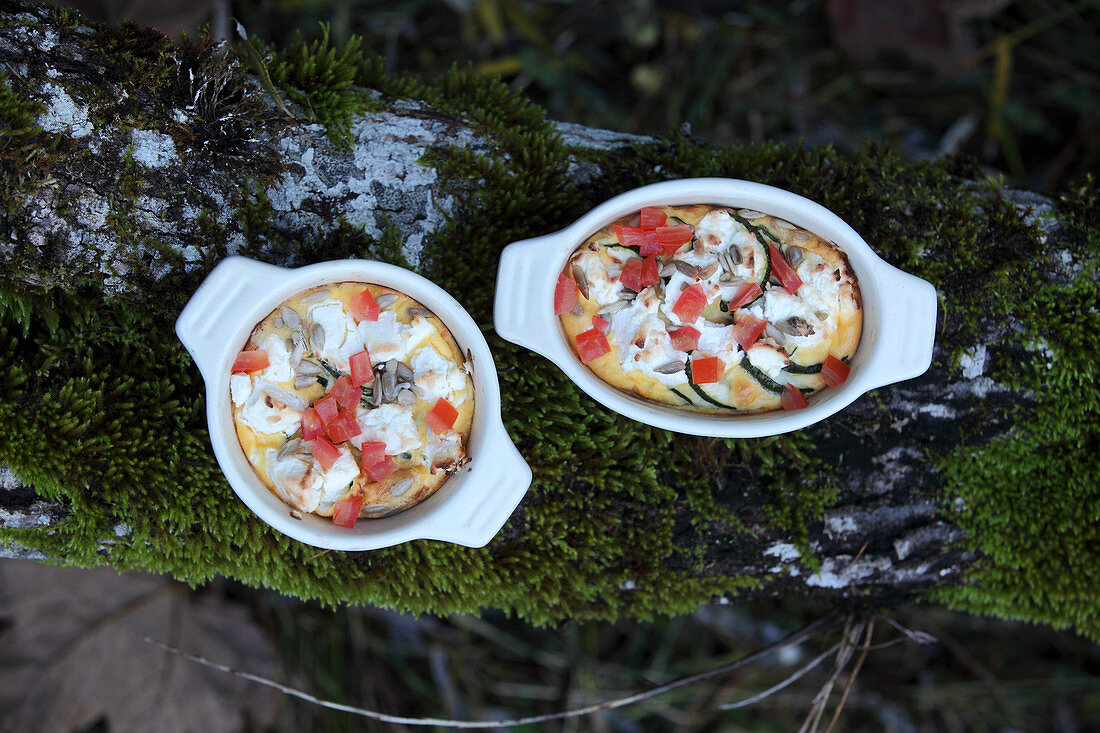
(899, 310)
(468, 509)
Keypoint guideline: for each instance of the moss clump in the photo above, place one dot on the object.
(25, 150)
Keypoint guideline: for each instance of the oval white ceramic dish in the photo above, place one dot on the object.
(468, 509)
(899, 310)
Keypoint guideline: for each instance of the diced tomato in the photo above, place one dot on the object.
(685, 338)
(342, 427)
(441, 417)
(326, 408)
(373, 452)
(346, 511)
(650, 273)
(670, 238)
(631, 276)
(644, 238)
(251, 361)
(706, 370)
(592, 345)
(363, 306)
(361, 371)
(382, 469)
(689, 306)
(325, 453)
(312, 427)
(651, 217)
(793, 399)
(747, 329)
(565, 294)
(346, 393)
(745, 294)
(834, 371)
(600, 324)
(788, 278)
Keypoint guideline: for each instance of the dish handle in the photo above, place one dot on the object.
(909, 309)
(211, 319)
(502, 486)
(520, 313)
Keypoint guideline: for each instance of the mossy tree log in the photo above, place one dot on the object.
(132, 166)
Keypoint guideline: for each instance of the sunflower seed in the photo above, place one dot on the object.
(670, 368)
(385, 300)
(775, 334)
(707, 271)
(734, 254)
(582, 280)
(289, 447)
(389, 386)
(627, 295)
(288, 343)
(666, 270)
(780, 224)
(615, 307)
(404, 371)
(405, 397)
(298, 352)
(750, 214)
(316, 296)
(416, 390)
(795, 255)
(305, 366)
(278, 322)
(413, 312)
(391, 365)
(401, 487)
(795, 326)
(295, 514)
(686, 268)
(577, 310)
(290, 317)
(304, 381)
(698, 247)
(317, 337)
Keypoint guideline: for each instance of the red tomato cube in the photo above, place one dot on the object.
(689, 306)
(361, 371)
(326, 408)
(441, 417)
(312, 427)
(600, 324)
(793, 399)
(382, 469)
(788, 278)
(747, 329)
(745, 294)
(685, 338)
(591, 345)
(706, 370)
(325, 453)
(373, 452)
(834, 371)
(346, 511)
(343, 427)
(363, 306)
(631, 276)
(346, 393)
(251, 361)
(650, 274)
(651, 217)
(565, 295)
(674, 236)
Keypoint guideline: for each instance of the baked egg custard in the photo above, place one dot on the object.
(711, 309)
(352, 400)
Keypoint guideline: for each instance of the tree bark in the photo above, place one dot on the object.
(886, 533)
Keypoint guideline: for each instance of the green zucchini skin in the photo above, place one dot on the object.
(760, 233)
(761, 378)
(799, 369)
(702, 393)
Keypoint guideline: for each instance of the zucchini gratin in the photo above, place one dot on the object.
(352, 400)
(711, 309)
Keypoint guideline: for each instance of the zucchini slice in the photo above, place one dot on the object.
(800, 369)
(698, 389)
(760, 233)
(760, 376)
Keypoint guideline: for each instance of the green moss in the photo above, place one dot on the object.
(108, 416)
(25, 150)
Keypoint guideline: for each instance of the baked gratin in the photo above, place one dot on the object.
(352, 400)
(711, 309)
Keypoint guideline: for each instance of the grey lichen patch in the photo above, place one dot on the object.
(382, 182)
(63, 115)
(152, 149)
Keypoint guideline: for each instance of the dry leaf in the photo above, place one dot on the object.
(72, 653)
